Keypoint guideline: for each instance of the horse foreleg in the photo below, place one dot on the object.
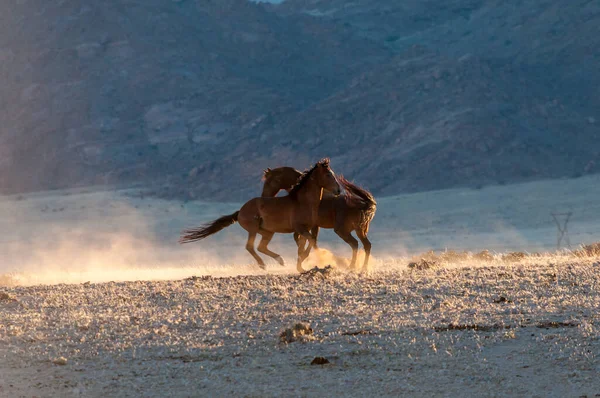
(250, 248)
(315, 233)
(367, 245)
(262, 246)
(349, 239)
(304, 235)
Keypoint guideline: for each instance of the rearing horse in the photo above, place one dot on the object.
(298, 212)
(351, 212)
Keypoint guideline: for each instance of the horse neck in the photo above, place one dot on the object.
(310, 194)
(290, 180)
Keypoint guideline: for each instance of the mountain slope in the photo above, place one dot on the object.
(194, 98)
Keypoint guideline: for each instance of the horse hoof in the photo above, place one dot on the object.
(262, 266)
(280, 260)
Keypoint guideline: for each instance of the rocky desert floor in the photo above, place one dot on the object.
(478, 328)
(97, 299)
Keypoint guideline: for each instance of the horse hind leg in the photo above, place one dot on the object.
(362, 235)
(250, 248)
(351, 240)
(264, 242)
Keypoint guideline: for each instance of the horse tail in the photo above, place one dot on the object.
(361, 198)
(195, 234)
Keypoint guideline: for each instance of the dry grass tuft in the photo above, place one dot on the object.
(423, 264)
(591, 250)
(513, 257)
(484, 255)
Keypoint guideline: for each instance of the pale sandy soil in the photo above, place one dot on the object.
(168, 336)
(384, 334)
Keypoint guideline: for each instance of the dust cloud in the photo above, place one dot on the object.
(67, 237)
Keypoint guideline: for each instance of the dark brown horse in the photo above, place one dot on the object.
(350, 212)
(297, 212)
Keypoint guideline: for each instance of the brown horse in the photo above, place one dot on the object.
(297, 212)
(350, 212)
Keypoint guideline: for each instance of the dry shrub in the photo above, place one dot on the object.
(454, 256)
(513, 257)
(423, 264)
(299, 332)
(591, 250)
(484, 255)
(448, 256)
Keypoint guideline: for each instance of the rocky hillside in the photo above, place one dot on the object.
(194, 98)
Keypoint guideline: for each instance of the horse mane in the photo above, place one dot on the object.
(306, 175)
(266, 173)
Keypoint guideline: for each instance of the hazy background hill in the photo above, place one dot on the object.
(194, 98)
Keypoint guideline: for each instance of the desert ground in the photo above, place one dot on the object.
(97, 299)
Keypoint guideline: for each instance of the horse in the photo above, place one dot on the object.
(351, 212)
(297, 212)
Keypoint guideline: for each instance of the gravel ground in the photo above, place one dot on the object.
(493, 329)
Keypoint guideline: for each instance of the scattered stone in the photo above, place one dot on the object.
(356, 333)
(502, 299)
(478, 328)
(6, 297)
(194, 278)
(320, 361)
(555, 324)
(318, 272)
(299, 332)
(60, 361)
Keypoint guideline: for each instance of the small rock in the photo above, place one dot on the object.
(320, 361)
(502, 299)
(6, 297)
(299, 332)
(60, 361)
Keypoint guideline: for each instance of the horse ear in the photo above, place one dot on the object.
(266, 171)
